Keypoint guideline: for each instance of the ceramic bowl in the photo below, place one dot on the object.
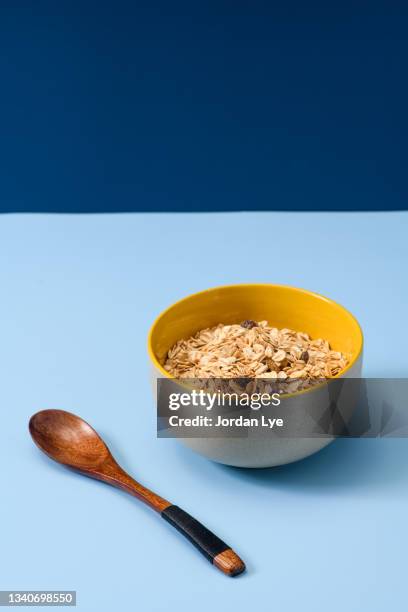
(281, 306)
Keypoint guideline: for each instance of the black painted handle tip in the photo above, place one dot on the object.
(214, 549)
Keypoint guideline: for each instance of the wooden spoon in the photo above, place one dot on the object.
(69, 440)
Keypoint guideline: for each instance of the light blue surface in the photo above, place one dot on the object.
(78, 294)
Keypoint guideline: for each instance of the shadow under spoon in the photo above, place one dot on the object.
(70, 440)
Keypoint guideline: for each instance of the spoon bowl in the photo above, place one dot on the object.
(68, 439)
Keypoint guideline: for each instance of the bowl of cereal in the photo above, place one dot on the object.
(279, 334)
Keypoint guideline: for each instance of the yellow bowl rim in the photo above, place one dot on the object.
(158, 365)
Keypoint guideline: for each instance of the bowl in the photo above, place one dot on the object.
(283, 307)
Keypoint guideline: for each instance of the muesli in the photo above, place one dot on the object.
(255, 350)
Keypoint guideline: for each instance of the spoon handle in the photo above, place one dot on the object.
(214, 549)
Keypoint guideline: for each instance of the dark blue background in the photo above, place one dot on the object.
(203, 105)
